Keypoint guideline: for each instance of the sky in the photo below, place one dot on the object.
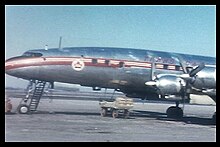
(182, 29)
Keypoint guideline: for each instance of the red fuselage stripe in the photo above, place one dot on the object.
(17, 63)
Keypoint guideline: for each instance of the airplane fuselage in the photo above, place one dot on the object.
(124, 69)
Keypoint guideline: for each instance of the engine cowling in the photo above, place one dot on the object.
(205, 79)
(169, 84)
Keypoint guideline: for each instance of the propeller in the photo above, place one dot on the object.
(188, 76)
(183, 64)
(52, 85)
(193, 72)
(152, 69)
(152, 82)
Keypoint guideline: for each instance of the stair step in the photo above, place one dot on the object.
(36, 96)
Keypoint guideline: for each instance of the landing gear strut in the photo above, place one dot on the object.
(214, 115)
(175, 111)
(214, 118)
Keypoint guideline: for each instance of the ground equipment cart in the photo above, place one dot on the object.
(120, 104)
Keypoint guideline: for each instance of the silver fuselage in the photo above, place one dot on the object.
(124, 69)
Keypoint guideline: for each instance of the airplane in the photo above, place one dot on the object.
(138, 73)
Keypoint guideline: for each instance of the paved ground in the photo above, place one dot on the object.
(80, 121)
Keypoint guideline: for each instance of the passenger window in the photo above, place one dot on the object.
(107, 62)
(165, 66)
(121, 64)
(94, 61)
(177, 68)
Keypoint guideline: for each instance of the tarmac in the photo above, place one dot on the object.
(72, 120)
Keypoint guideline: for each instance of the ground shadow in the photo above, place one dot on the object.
(163, 116)
(66, 113)
(138, 113)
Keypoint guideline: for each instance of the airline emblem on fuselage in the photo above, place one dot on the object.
(78, 65)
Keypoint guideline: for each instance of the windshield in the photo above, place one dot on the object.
(32, 54)
(26, 55)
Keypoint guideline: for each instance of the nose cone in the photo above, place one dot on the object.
(8, 66)
(22, 67)
(14, 68)
(11, 64)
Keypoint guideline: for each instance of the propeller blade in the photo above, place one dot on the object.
(152, 69)
(52, 85)
(152, 76)
(193, 72)
(185, 77)
(183, 64)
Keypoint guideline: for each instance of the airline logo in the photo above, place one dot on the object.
(78, 65)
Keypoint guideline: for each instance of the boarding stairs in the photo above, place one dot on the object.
(38, 92)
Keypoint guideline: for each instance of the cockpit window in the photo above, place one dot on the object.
(32, 54)
(26, 55)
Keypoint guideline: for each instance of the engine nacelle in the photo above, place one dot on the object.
(169, 84)
(205, 79)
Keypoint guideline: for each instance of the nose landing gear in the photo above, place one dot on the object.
(23, 109)
(34, 92)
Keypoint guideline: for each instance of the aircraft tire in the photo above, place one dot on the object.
(103, 112)
(23, 109)
(174, 112)
(126, 113)
(114, 113)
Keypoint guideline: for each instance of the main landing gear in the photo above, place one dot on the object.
(175, 111)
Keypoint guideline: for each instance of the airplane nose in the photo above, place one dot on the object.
(12, 70)
(21, 67)
(9, 65)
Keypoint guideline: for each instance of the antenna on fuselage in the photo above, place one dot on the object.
(46, 47)
(60, 42)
